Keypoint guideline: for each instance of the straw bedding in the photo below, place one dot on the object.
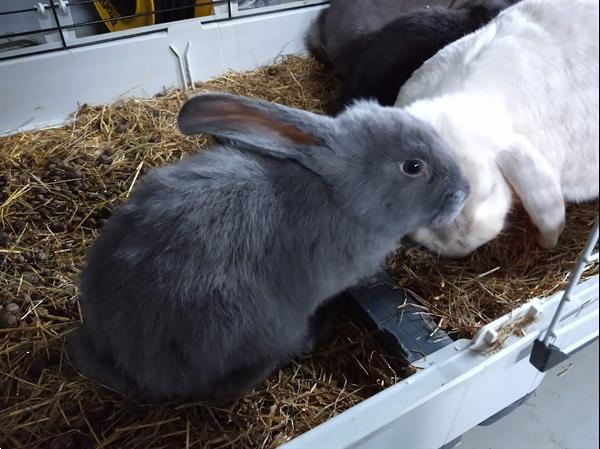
(466, 294)
(58, 187)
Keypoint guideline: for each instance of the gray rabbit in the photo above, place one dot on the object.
(208, 278)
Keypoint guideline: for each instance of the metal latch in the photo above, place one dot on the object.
(545, 355)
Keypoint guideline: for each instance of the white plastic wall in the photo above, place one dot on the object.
(44, 90)
(458, 387)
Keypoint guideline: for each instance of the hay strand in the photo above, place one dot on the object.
(508, 272)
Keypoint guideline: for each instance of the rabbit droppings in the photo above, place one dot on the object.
(207, 278)
(517, 102)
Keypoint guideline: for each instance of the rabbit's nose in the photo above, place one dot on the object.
(457, 197)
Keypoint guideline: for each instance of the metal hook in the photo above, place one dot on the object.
(189, 64)
(587, 257)
(182, 70)
(185, 66)
(41, 7)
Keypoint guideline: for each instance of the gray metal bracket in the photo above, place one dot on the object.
(545, 355)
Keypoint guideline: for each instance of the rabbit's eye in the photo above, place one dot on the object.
(413, 167)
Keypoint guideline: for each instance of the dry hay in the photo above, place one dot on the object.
(517, 327)
(57, 188)
(466, 294)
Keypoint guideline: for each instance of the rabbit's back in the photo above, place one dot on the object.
(561, 95)
(538, 61)
(210, 272)
(177, 220)
(348, 20)
(346, 23)
(181, 267)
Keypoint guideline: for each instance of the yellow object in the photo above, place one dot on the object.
(205, 10)
(110, 13)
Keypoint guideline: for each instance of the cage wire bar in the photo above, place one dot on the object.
(57, 21)
(230, 12)
(61, 28)
(545, 355)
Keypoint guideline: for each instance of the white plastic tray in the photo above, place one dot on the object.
(456, 388)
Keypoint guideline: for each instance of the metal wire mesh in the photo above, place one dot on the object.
(52, 25)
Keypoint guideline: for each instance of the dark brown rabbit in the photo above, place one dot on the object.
(376, 65)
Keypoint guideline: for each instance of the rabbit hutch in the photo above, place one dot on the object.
(89, 91)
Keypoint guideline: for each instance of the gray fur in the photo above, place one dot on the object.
(209, 277)
(375, 64)
(349, 21)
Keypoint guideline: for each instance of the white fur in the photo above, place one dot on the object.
(518, 102)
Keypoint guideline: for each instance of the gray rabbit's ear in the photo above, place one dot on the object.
(271, 128)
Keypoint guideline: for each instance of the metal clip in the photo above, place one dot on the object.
(41, 7)
(490, 336)
(185, 67)
(534, 311)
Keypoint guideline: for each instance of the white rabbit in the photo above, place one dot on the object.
(518, 102)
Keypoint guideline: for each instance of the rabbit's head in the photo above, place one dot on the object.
(517, 170)
(482, 218)
(395, 167)
(384, 167)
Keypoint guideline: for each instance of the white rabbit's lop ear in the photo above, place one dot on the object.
(274, 129)
(538, 186)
